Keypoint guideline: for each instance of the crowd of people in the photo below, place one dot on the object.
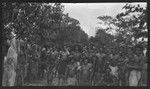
(81, 65)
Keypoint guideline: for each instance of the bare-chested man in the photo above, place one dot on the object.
(71, 73)
(85, 74)
(134, 69)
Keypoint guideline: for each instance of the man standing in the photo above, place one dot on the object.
(85, 74)
(135, 69)
(71, 73)
(62, 67)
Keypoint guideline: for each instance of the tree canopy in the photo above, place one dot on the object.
(45, 24)
(129, 26)
(40, 23)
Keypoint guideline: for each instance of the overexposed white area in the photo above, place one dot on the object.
(87, 13)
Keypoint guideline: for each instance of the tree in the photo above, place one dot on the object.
(71, 31)
(103, 38)
(135, 19)
(41, 23)
(32, 21)
(129, 25)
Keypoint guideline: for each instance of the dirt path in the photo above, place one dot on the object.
(43, 82)
(38, 83)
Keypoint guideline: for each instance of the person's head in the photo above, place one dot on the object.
(130, 55)
(65, 46)
(94, 57)
(129, 52)
(85, 61)
(137, 59)
(8, 42)
(108, 70)
(72, 60)
(69, 49)
(43, 49)
(76, 48)
(116, 56)
(138, 49)
(121, 58)
(58, 56)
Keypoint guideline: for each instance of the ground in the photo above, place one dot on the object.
(37, 83)
(42, 82)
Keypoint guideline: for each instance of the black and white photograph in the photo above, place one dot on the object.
(74, 44)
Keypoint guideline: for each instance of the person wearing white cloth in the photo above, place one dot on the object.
(135, 72)
(10, 62)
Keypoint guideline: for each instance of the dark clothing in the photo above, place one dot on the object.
(133, 63)
(85, 76)
(121, 75)
(95, 65)
(43, 57)
(106, 66)
(108, 79)
(101, 64)
(71, 70)
(62, 67)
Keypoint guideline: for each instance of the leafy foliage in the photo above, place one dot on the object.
(129, 26)
(40, 23)
(45, 23)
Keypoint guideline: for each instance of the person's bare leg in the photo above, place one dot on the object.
(12, 79)
(22, 78)
(127, 78)
(138, 77)
(133, 78)
(58, 80)
(5, 78)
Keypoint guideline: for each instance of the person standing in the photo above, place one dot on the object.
(62, 67)
(71, 73)
(10, 62)
(135, 69)
(85, 74)
(143, 81)
(95, 69)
